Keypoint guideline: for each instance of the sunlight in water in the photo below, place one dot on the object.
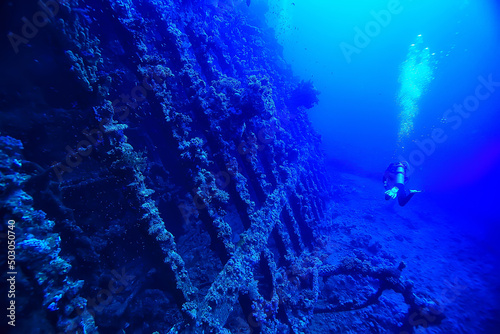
(415, 76)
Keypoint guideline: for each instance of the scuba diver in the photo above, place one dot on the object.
(394, 182)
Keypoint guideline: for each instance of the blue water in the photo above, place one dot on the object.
(358, 114)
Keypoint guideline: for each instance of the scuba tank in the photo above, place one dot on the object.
(400, 174)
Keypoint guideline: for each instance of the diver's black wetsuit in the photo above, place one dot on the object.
(391, 176)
